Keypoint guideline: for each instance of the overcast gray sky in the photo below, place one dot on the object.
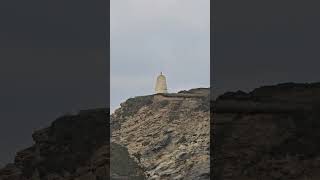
(148, 37)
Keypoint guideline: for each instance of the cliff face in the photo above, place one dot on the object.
(153, 137)
(74, 147)
(270, 133)
(166, 134)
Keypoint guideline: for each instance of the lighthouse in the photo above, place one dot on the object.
(161, 84)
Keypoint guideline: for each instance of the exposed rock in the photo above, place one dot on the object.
(271, 133)
(168, 134)
(148, 134)
(182, 156)
(74, 147)
(122, 166)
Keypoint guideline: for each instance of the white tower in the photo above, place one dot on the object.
(161, 84)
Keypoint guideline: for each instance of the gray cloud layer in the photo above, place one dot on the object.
(160, 35)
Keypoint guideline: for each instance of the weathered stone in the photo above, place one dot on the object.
(158, 130)
(182, 156)
(270, 133)
(74, 147)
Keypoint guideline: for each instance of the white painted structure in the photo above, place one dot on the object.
(161, 84)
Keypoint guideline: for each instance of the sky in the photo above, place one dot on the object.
(257, 43)
(149, 37)
(53, 61)
(54, 54)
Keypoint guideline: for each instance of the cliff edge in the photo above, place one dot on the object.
(166, 134)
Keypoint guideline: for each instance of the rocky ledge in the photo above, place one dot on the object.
(166, 134)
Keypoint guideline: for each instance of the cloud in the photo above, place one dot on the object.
(149, 14)
(159, 35)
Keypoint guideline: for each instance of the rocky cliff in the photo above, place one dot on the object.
(163, 136)
(166, 134)
(271, 133)
(74, 147)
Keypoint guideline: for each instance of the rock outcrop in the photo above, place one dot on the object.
(163, 136)
(271, 133)
(74, 147)
(166, 134)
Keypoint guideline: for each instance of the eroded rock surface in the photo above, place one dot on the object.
(166, 134)
(74, 147)
(271, 133)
